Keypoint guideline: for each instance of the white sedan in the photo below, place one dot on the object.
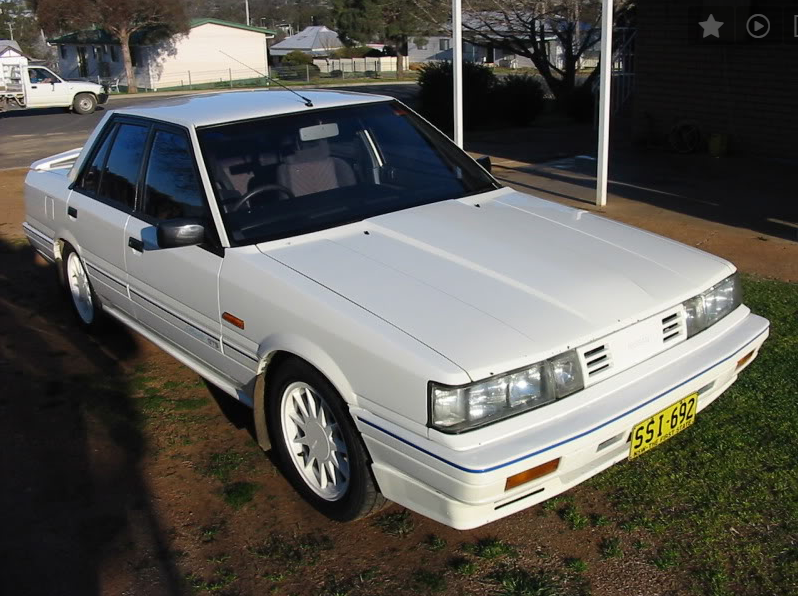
(403, 326)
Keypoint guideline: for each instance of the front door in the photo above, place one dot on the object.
(83, 68)
(45, 88)
(174, 291)
(100, 205)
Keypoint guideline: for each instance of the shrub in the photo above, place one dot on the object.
(359, 52)
(296, 58)
(371, 74)
(519, 99)
(581, 106)
(436, 85)
(336, 74)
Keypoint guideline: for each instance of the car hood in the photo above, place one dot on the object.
(81, 84)
(502, 280)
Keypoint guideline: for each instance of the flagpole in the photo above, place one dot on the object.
(457, 69)
(605, 95)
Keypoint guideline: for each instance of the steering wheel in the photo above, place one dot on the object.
(258, 190)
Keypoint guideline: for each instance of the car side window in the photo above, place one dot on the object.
(121, 172)
(89, 181)
(171, 187)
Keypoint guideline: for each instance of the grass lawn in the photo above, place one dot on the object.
(723, 495)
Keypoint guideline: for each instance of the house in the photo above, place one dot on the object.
(732, 82)
(11, 54)
(11, 61)
(317, 41)
(212, 51)
(439, 47)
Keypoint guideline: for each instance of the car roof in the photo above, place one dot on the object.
(218, 108)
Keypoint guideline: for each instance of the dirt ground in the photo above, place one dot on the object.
(124, 473)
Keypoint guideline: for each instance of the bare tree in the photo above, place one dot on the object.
(553, 34)
(150, 19)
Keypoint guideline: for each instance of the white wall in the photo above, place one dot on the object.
(168, 63)
(198, 53)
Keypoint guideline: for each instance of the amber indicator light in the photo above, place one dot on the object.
(741, 362)
(531, 474)
(233, 320)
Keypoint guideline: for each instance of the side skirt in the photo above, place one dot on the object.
(181, 355)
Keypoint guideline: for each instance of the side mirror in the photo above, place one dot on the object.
(184, 231)
(484, 161)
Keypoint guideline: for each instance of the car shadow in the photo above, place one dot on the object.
(73, 495)
(26, 112)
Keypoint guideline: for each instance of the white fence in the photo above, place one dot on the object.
(381, 64)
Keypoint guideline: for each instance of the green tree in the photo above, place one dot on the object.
(391, 21)
(151, 19)
(19, 23)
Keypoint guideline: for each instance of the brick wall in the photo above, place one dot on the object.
(746, 90)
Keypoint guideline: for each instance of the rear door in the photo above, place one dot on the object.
(100, 204)
(175, 290)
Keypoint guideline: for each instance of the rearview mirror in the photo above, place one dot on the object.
(484, 161)
(184, 231)
(318, 132)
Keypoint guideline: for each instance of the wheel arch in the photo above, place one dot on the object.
(60, 243)
(77, 96)
(272, 353)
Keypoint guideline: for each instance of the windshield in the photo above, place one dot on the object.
(289, 175)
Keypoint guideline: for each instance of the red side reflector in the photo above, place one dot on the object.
(233, 320)
(531, 474)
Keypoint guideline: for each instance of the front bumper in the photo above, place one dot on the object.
(102, 98)
(465, 488)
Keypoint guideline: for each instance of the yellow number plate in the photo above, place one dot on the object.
(663, 425)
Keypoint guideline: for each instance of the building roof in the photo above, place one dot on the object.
(198, 22)
(311, 40)
(9, 44)
(234, 106)
(102, 37)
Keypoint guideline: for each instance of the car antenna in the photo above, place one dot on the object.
(286, 87)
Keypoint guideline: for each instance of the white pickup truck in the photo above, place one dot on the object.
(39, 87)
(401, 324)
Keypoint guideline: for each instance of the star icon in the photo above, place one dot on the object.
(711, 27)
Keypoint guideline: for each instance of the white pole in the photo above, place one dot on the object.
(457, 69)
(246, 5)
(605, 89)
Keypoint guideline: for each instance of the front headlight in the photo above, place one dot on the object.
(708, 308)
(455, 409)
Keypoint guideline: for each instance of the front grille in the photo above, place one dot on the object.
(597, 359)
(673, 327)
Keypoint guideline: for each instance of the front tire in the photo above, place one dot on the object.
(317, 446)
(80, 293)
(84, 103)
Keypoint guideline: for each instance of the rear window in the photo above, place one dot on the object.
(121, 172)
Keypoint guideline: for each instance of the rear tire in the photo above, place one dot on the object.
(84, 103)
(317, 446)
(85, 304)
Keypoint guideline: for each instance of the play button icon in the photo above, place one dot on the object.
(758, 26)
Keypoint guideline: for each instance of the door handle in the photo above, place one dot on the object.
(72, 212)
(135, 244)
(34, 87)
